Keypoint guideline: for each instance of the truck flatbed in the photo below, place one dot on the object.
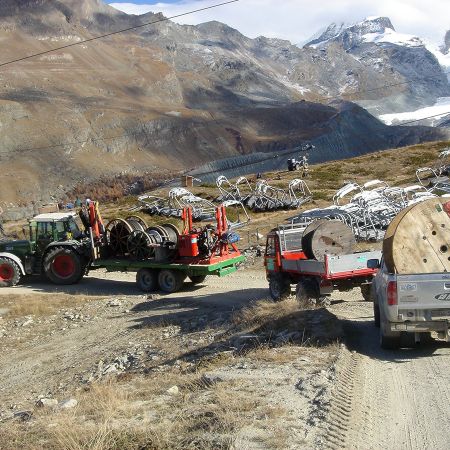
(220, 269)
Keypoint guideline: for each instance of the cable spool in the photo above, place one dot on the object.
(418, 239)
(172, 232)
(331, 237)
(117, 232)
(139, 245)
(137, 223)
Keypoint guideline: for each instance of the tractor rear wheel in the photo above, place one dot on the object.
(63, 266)
(10, 274)
(171, 280)
(147, 280)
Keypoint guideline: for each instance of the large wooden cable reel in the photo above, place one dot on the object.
(418, 239)
(141, 243)
(117, 234)
(331, 237)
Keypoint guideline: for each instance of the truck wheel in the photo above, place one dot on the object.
(10, 274)
(63, 266)
(279, 287)
(307, 292)
(147, 280)
(389, 340)
(171, 280)
(197, 279)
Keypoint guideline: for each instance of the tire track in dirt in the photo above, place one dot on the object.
(385, 399)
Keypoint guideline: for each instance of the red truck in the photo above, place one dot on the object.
(286, 264)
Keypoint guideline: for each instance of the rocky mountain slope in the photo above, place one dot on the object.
(167, 97)
(379, 51)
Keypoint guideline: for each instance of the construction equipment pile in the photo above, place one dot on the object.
(264, 196)
(368, 209)
(173, 205)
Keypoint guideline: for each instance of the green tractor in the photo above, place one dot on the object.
(57, 248)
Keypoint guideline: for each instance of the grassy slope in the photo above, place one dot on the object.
(397, 167)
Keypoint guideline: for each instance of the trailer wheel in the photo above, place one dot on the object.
(147, 280)
(10, 274)
(63, 266)
(197, 279)
(307, 292)
(171, 280)
(279, 287)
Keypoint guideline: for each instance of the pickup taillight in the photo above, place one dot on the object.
(392, 293)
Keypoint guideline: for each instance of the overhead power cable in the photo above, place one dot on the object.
(116, 32)
(423, 118)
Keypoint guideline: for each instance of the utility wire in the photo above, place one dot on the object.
(165, 19)
(423, 118)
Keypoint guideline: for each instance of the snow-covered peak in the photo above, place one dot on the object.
(392, 37)
(332, 31)
(346, 32)
(373, 24)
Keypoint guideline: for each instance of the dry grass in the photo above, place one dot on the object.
(140, 415)
(265, 313)
(19, 305)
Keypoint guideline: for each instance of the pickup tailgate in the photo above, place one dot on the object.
(424, 291)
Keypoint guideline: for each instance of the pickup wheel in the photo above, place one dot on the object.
(389, 340)
(376, 314)
(10, 274)
(279, 287)
(63, 266)
(171, 280)
(147, 280)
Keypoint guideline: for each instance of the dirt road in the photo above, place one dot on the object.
(51, 355)
(379, 399)
(385, 399)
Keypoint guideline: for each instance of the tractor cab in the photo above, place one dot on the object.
(53, 227)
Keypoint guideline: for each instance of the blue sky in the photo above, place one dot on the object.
(297, 20)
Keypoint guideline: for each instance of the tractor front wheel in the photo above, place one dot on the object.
(10, 274)
(63, 266)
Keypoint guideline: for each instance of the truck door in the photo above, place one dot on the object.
(270, 256)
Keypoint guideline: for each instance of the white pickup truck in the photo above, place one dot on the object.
(418, 303)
